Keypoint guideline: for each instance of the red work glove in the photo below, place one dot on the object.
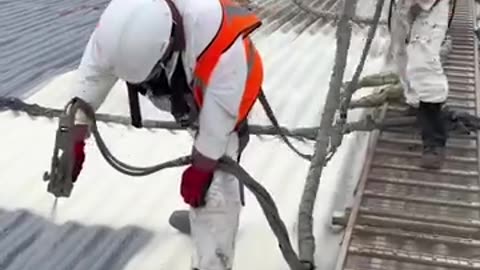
(79, 157)
(80, 133)
(196, 179)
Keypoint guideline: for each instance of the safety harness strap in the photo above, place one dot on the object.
(135, 113)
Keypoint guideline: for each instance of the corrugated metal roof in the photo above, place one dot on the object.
(307, 12)
(117, 222)
(40, 39)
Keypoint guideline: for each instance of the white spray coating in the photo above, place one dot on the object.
(297, 71)
(53, 212)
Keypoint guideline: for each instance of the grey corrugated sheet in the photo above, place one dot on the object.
(42, 38)
(115, 222)
(307, 12)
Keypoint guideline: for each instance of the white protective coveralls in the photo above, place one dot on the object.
(418, 61)
(215, 225)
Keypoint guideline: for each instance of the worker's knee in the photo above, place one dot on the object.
(424, 70)
(223, 192)
(214, 227)
(427, 79)
(429, 86)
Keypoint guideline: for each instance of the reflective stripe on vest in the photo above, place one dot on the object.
(236, 21)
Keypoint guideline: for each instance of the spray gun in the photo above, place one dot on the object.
(59, 178)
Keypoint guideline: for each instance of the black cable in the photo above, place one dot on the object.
(271, 116)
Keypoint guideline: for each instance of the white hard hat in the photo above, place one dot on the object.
(134, 36)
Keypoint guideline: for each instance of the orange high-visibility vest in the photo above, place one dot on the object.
(236, 21)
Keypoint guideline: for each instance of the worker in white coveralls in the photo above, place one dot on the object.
(196, 60)
(418, 28)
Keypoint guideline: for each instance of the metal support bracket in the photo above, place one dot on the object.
(340, 218)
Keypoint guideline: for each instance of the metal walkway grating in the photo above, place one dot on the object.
(406, 217)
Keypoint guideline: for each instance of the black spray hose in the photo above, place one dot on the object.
(454, 6)
(271, 116)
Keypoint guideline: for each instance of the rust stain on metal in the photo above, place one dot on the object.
(406, 217)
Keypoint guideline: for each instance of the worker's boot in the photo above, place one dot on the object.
(434, 134)
(180, 220)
